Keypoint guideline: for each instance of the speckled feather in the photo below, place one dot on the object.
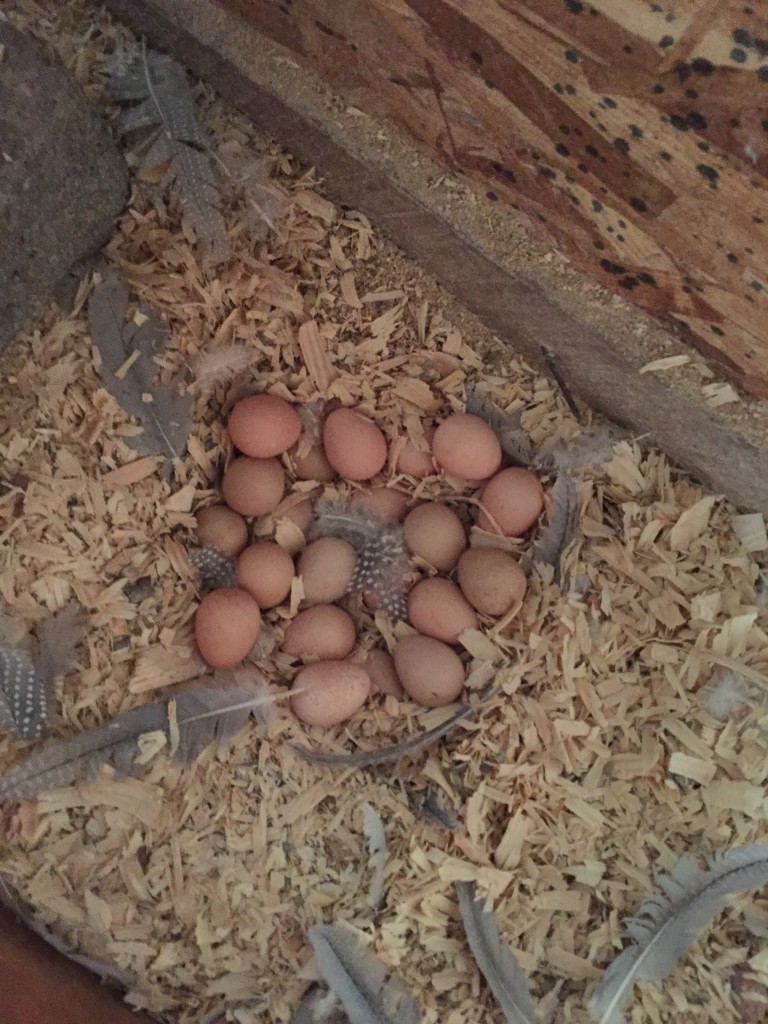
(382, 558)
(214, 569)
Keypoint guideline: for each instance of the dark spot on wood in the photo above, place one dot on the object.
(548, 173)
(734, 122)
(489, 84)
(647, 278)
(756, 286)
(571, 90)
(509, 175)
(666, 41)
(627, 48)
(476, 57)
(732, 257)
(492, 195)
(583, 168)
(743, 38)
(703, 146)
(622, 223)
(637, 204)
(636, 131)
(702, 66)
(591, 150)
(574, 6)
(762, 73)
(681, 123)
(620, 238)
(330, 32)
(622, 145)
(564, 129)
(610, 103)
(574, 199)
(761, 45)
(757, 220)
(764, 125)
(665, 155)
(562, 149)
(628, 282)
(559, 89)
(612, 268)
(691, 94)
(682, 70)
(597, 206)
(717, 330)
(708, 173)
(599, 245)
(571, 56)
(737, 55)
(658, 89)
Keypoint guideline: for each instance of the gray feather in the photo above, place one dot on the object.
(558, 534)
(515, 442)
(204, 712)
(166, 419)
(668, 923)
(503, 973)
(360, 980)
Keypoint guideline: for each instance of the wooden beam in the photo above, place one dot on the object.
(217, 47)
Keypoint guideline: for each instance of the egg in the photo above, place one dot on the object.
(384, 501)
(514, 498)
(313, 466)
(321, 632)
(222, 528)
(465, 446)
(227, 625)
(431, 673)
(329, 692)
(380, 666)
(438, 608)
(417, 462)
(354, 445)
(435, 533)
(253, 487)
(265, 570)
(326, 566)
(263, 425)
(491, 580)
(300, 514)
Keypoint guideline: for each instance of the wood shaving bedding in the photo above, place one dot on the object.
(593, 770)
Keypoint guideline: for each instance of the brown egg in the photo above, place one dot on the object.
(465, 446)
(321, 632)
(314, 466)
(326, 566)
(417, 462)
(222, 528)
(385, 501)
(253, 487)
(300, 514)
(438, 608)
(354, 445)
(431, 673)
(227, 625)
(265, 570)
(435, 533)
(515, 499)
(331, 692)
(263, 425)
(380, 666)
(491, 580)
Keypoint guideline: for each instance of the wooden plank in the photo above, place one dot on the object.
(215, 47)
(631, 137)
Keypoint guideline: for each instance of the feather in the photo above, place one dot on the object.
(214, 569)
(498, 966)
(367, 758)
(203, 712)
(359, 979)
(378, 854)
(166, 419)
(515, 442)
(668, 923)
(166, 105)
(558, 534)
(318, 1006)
(220, 367)
(590, 449)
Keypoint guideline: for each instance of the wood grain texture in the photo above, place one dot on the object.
(630, 136)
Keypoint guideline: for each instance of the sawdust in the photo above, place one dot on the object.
(590, 772)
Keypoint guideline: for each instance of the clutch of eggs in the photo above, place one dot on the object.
(266, 432)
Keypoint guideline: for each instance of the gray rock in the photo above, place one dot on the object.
(62, 180)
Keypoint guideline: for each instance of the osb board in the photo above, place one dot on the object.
(592, 771)
(630, 136)
(528, 297)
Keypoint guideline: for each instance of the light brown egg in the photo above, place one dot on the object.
(491, 580)
(322, 632)
(438, 608)
(265, 570)
(253, 487)
(380, 666)
(222, 528)
(384, 501)
(331, 692)
(465, 446)
(417, 462)
(263, 425)
(314, 466)
(431, 673)
(300, 514)
(515, 499)
(435, 533)
(326, 566)
(354, 445)
(227, 625)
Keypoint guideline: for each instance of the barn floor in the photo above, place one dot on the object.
(598, 763)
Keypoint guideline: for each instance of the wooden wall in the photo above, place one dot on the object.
(629, 135)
